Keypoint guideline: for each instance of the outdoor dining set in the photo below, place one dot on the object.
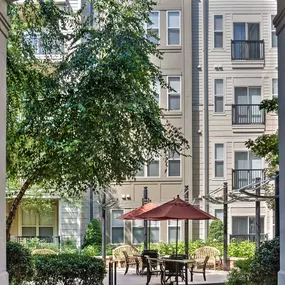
(174, 265)
(167, 266)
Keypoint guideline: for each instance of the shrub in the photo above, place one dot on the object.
(92, 250)
(245, 249)
(36, 243)
(240, 274)
(216, 231)
(19, 263)
(66, 268)
(93, 234)
(266, 263)
(262, 269)
(68, 245)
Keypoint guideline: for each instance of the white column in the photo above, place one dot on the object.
(280, 28)
(4, 26)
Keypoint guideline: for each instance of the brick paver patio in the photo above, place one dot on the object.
(213, 278)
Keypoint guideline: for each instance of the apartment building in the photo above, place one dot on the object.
(220, 58)
(234, 69)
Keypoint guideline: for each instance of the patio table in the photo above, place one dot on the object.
(162, 261)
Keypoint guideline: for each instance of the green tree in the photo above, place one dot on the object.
(93, 234)
(266, 145)
(216, 230)
(90, 117)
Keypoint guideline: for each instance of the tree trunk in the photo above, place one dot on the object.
(16, 203)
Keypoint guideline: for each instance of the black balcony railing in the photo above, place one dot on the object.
(39, 239)
(247, 50)
(248, 114)
(244, 177)
(249, 237)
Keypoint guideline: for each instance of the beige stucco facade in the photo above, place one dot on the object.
(4, 26)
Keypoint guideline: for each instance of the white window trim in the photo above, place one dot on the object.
(274, 95)
(132, 235)
(179, 225)
(247, 87)
(154, 27)
(172, 158)
(271, 31)
(145, 167)
(248, 216)
(214, 96)
(173, 93)
(37, 226)
(246, 29)
(167, 28)
(214, 31)
(159, 92)
(224, 160)
(243, 150)
(111, 226)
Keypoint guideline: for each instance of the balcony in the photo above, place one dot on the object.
(247, 237)
(40, 239)
(247, 114)
(244, 177)
(247, 50)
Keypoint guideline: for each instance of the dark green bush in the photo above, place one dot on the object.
(66, 268)
(216, 231)
(266, 263)
(93, 234)
(20, 265)
(96, 250)
(262, 269)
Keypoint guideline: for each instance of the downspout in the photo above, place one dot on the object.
(206, 108)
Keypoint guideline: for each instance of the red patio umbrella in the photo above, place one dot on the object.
(176, 209)
(133, 215)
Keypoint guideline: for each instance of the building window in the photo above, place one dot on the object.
(174, 164)
(174, 94)
(153, 28)
(274, 88)
(218, 31)
(172, 230)
(219, 214)
(138, 231)
(219, 96)
(173, 28)
(248, 168)
(219, 160)
(37, 45)
(38, 224)
(156, 90)
(117, 227)
(273, 33)
(154, 231)
(245, 225)
(151, 169)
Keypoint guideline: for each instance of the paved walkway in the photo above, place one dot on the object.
(213, 277)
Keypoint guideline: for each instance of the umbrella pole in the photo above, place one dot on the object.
(149, 227)
(176, 279)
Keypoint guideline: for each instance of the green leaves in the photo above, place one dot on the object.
(90, 116)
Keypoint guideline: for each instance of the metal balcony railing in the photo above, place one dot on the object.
(247, 50)
(245, 237)
(244, 177)
(247, 114)
(39, 239)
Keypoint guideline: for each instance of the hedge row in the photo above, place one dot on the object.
(61, 269)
